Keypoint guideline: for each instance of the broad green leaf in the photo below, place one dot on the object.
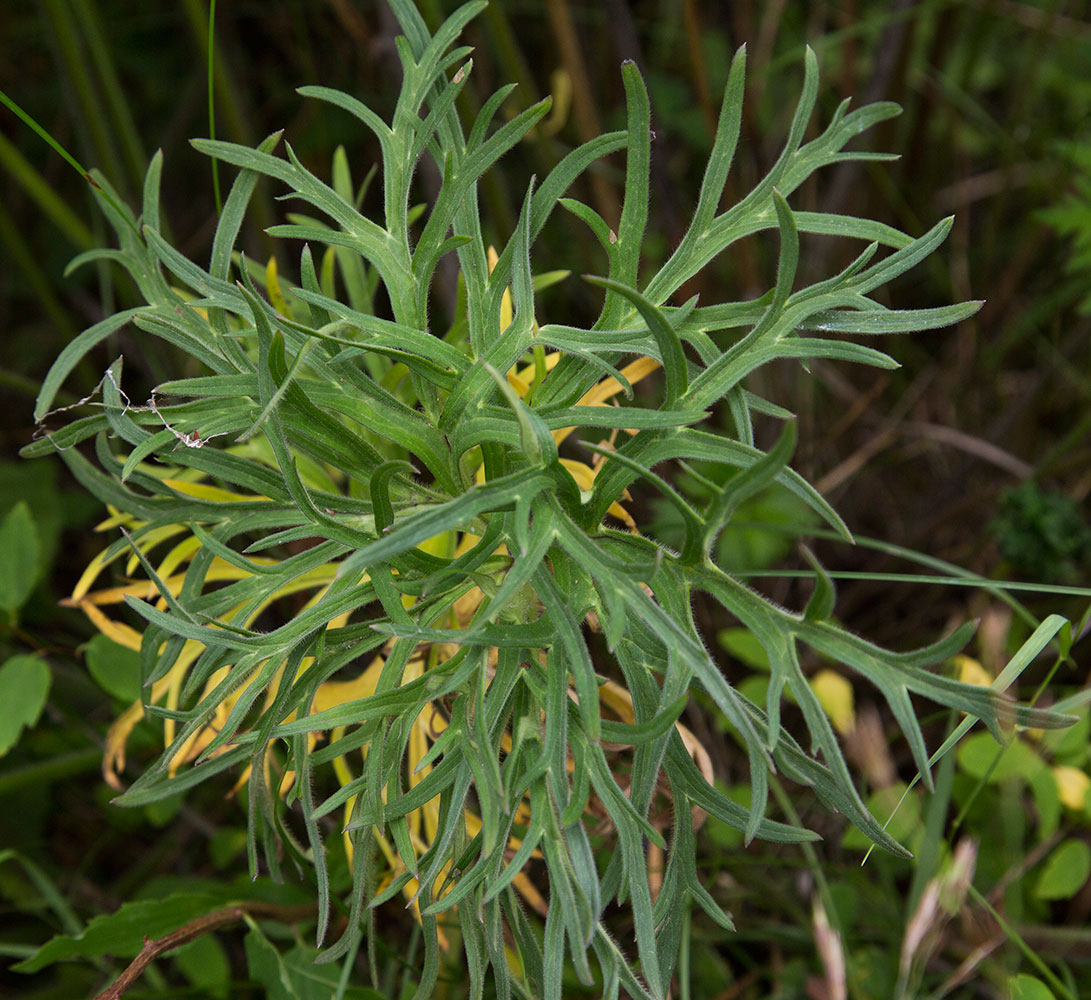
(24, 686)
(121, 934)
(115, 668)
(1066, 871)
(745, 646)
(20, 552)
(1024, 987)
(981, 757)
(205, 964)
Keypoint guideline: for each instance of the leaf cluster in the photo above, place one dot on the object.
(389, 547)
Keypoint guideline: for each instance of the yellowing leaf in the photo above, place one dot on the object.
(970, 671)
(117, 736)
(581, 472)
(123, 635)
(272, 287)
(599, 393)
(181, 553)
(521, 387)
(202, 491)
(834, 693)
(506, 312)
(561, 90)
(526, 376)
(584, 475)
(1072, 786)
(100, 562)
(610, 387)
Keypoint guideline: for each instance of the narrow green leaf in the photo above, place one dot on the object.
(788, 261)
(824, 598)
(747, 483)
(666, 337)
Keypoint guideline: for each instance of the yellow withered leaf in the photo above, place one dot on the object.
(203, 491)
(834, 693)
(123, 635)
(1073, 786)
(970, 671)
(272, 287)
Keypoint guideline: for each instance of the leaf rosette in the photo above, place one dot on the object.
(368, 558)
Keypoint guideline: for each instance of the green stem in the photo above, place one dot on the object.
(212, 102)
(26, 118)
(1055, 984)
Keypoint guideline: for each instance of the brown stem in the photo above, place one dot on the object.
(193, 930)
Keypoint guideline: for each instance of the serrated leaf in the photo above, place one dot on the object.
(122, 933)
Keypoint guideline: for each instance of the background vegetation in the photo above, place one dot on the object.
(975, 452)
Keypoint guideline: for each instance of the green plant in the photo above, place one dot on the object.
(372, 580)
(1071, 215)
(1042, 533)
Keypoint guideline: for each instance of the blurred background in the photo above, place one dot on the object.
(975, 452)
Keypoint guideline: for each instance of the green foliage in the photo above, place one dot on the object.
(1042, 533)
(295, 975)
(24, 686)
(1024, 987)
(124, 932)
(390, 550)
(1071, 215)
(19, 557)
(115, 669)
(1065, 872)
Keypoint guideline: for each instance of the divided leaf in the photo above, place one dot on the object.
(371, 555)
